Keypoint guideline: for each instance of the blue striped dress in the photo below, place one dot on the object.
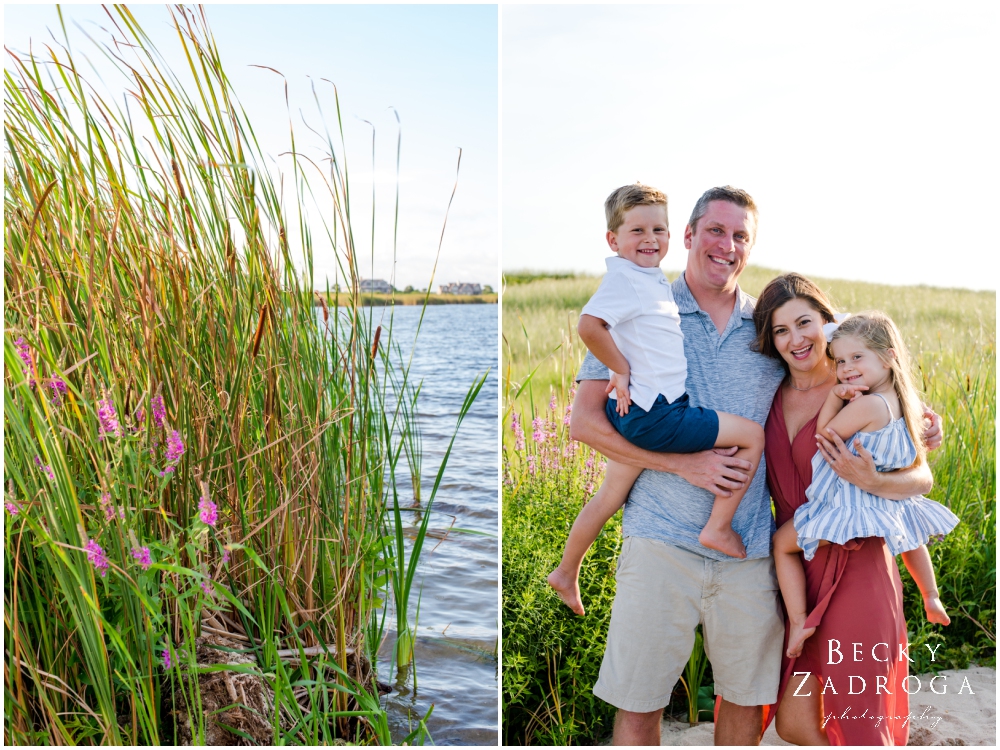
(838, 511)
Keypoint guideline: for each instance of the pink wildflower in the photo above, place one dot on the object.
(12, 508)
(58, 386)
(108, 418)
(166, 658)
(538, 425)
(515, 425)
(24, 352)
(225, 557)
(46, 468)
(569, 411)
(97, 558)
(142, 556)
(531, 465)
(552, 403)
(159, 410)
(109, 509)
(175, 449)
(206, 586)
(209, 512)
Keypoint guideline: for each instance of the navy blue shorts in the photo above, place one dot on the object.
(667, 428)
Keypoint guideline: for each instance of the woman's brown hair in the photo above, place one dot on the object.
(779, 291)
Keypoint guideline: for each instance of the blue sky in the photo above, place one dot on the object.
(436, 64)
(867, 134)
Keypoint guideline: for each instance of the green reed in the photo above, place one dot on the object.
(169, 392)
(551, 657)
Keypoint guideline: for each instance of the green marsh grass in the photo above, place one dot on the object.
(551, 657)
(152, 300)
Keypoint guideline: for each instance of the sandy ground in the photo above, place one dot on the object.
(949, 719)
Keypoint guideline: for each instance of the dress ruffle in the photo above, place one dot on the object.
(838, 511)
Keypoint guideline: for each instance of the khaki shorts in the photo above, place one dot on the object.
(663, 593)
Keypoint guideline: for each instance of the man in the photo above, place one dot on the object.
(668, 582)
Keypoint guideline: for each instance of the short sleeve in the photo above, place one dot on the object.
(614, 301)
(592, 369)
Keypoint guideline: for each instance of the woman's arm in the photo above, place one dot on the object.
(713, 471)
(860, 470)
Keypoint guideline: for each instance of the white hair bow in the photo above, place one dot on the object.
(829, 328)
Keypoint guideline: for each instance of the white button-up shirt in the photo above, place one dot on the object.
(638, 306)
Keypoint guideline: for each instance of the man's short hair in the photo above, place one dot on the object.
(725, 193)
(628, 197)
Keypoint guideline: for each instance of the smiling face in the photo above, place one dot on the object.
(797, 329)
(643, 237)
(719, 246)
(859, 365)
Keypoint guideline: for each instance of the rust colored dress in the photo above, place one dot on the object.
(854, 595)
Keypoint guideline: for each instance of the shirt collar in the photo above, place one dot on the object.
(686, 302)
(621, 264)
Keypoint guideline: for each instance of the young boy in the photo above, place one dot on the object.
(632, 325)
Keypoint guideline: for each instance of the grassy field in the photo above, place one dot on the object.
(413, 298)
(551, 657)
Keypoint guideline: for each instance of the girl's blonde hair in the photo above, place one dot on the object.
(877, 332)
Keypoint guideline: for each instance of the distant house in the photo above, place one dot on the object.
(376, 285)
(461, 288)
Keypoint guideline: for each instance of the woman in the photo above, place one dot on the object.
(854, 592)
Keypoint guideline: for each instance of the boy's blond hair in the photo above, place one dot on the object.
(628, 197)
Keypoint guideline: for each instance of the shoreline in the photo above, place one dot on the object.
(407, 299)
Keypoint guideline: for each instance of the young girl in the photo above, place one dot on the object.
(876, 401)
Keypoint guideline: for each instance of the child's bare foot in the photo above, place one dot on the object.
(724, 540)
(568, 588)
(796, 638)
(935, 611)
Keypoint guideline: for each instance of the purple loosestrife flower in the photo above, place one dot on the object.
(552, 403)
(515, 425)
(175, 449)
(206, 586)
(531, 465)
(97, 558)
(46, 468)
(109, 509)
(58, 386)
(569, 412)
(108, 418)
(12, 508)
(166, 658)
(159, 410)
(538, 425)
(142, 556)
(209, 512)
(225, 557)
(24, 352)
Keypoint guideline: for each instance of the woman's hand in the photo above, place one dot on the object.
(859, 470)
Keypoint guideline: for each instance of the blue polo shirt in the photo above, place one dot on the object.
(722, 374)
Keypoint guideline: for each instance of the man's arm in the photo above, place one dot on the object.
(860, 470)
(712, 471)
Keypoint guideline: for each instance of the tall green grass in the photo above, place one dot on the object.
(551, 657)
(147, 258)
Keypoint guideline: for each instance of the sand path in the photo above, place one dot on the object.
(964, 715)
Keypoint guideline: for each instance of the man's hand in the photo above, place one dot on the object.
(717, 470)
(618, 382)
(933, 433)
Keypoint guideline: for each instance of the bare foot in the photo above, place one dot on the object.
(936, 612)
(796, 638)
(568, 588)
(724, 540)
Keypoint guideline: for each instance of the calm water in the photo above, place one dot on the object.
(456, 668)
